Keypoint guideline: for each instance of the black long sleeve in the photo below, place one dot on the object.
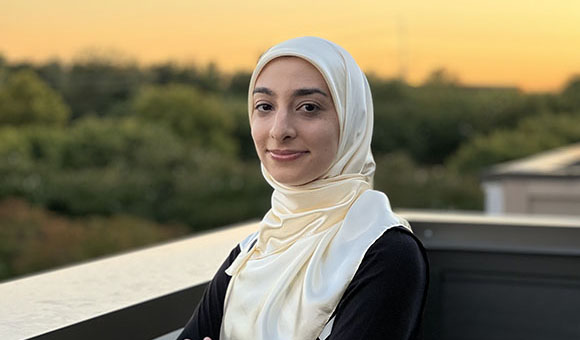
(385, 299)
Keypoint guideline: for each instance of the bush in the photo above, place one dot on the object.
(531, 136)
(33, 239)
(427, 187)
(113, 166)
(431, 122)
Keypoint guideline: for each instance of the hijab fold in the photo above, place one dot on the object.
(290, 275)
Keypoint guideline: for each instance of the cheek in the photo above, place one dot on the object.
(327, 142)
(257, 131)
(329, 139)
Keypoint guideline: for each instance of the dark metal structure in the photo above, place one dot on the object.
(502, 281)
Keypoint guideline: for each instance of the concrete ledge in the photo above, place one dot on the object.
(44, 303)
(147, 293)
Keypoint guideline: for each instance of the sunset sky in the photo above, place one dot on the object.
(534, 45)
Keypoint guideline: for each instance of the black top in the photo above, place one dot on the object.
(384, 300)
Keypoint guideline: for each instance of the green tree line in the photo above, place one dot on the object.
(168, 146)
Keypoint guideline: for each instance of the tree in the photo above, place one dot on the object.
(409, 185)
(196, 116)
(54, 74)
(532, 135)
(441, 77)
(97, 83)
(25, 99)
(238, 84)
(106, 166)
(571, 93)
(431, 122)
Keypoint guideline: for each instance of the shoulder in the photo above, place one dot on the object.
(397, 251)
(248, 241)
(388, 291)
(399, 242)
(397, 247)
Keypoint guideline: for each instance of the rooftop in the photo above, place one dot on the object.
(560, 162)
(482, 269)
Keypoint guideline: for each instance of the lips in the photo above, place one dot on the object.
(286, 154)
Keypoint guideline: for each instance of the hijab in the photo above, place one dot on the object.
(290, 274)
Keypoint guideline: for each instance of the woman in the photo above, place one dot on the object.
(330, 259)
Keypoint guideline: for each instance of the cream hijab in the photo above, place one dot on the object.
(291, 273)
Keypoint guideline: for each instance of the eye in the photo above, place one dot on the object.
(263, 107)
(310, 107)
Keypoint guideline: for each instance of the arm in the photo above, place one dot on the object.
(386, 297)
(206, 320)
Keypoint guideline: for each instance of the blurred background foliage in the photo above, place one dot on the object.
(102, 155)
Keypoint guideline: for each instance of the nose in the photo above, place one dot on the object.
(282, 128)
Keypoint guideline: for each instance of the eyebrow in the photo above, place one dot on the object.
(308, 91)
(297, 93)
(264, 90)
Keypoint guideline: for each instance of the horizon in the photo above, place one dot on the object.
(126, 60)
(515, 44)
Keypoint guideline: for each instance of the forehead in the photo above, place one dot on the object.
(292, 71)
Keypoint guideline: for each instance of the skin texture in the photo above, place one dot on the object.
(294, 122)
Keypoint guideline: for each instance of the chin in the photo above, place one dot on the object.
(289, 182)
(292, 180)
(287, 179)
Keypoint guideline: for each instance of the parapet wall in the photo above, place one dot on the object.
(491, 278)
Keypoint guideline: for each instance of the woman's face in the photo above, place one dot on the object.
(294, 122)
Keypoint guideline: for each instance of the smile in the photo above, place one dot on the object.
(286, 155)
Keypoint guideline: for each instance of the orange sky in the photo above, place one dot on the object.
(534, 45)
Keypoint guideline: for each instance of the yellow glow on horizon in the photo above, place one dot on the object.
(532, 45)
